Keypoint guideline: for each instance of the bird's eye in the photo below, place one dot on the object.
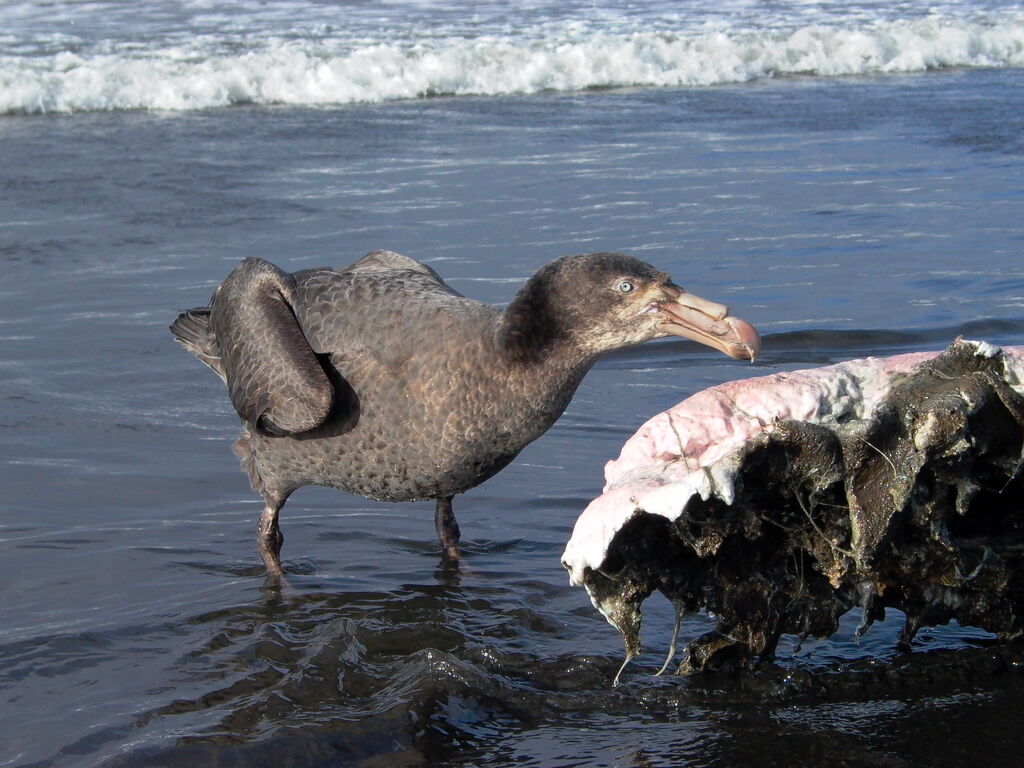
(625, 286)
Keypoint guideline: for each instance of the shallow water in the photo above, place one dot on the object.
(842, 217)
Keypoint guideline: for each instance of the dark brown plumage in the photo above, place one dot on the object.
(381, 380)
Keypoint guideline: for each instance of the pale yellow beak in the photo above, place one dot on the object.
(708, 322)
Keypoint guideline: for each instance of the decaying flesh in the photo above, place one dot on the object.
(903, 491)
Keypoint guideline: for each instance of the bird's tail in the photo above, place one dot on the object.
(192, 331)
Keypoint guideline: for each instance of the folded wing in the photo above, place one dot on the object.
(250, 336)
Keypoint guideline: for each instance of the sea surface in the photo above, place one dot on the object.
(849, 177)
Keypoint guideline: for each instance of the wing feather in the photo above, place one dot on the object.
(274, 379)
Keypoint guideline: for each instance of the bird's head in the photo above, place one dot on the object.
(603, 301)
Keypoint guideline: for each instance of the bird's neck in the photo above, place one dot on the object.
(536, 328)
(543, 364)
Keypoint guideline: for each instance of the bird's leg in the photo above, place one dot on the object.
(447, 527)
(269, 537)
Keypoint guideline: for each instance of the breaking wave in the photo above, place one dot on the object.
(212, 71)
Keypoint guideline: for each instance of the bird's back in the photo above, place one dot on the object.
(385, 309)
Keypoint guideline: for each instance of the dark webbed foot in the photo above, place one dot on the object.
(447, 528)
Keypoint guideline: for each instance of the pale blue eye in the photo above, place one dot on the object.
(625, 286)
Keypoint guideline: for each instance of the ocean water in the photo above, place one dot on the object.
(846, 176)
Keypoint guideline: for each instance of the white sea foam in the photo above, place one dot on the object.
(271, 63)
